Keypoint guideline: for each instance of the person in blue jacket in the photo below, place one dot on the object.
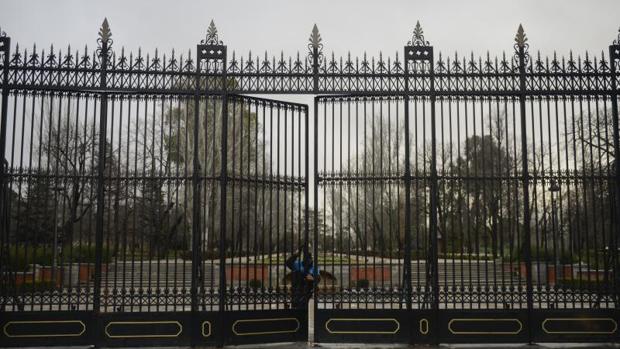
(302, 278)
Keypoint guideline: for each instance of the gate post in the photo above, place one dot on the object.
(522, 55)
(223, 225)
(614, 60)
(419, 51)
(315, 216)
(104, 41)
(315, 46)
(434, 229)
(5, 48)
(212, 51)
(196, 260)
(407, 179)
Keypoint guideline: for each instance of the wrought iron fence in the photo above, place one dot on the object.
(444, 199)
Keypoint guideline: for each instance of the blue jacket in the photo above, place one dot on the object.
(299, 266)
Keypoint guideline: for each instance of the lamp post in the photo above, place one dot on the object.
(554, 188)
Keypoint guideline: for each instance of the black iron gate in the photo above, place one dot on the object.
(147, 201)
(476, 206)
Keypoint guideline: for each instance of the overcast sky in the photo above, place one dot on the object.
(345, 25)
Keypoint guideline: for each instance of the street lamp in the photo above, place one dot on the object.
(554, 188)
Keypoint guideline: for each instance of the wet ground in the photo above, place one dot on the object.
(451, 346)
(393, 346)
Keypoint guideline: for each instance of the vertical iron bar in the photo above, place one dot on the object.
(521, 53)
(614, 56)
(196, 190)
(224, 183)
(316, 208)
(306, 174)
(5, 48)
(103, 120)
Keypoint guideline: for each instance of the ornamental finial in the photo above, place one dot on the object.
(212, 36)
(520, 38)
(617, 41)
(104, 32)
(418, 36)
(315, 37)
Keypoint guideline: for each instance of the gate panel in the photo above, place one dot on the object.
(147, 244)
(574, 229)
(48, 242)
(479, 164)
(147, 237)
(266, 219)
(360, 234)
(481, 260)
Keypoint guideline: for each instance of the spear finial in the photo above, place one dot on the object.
(212, 37)
(315, 37)
(418, 36)
(520, 38)
(105, 34)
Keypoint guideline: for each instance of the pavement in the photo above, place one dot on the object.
(446, 346)
(302, 345)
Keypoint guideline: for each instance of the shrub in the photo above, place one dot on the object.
(567, 258)
(188, 254)
(85, 254)
(36, 286)
(255, 284)
(583, 284)
(362, 283)
(21, 257)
